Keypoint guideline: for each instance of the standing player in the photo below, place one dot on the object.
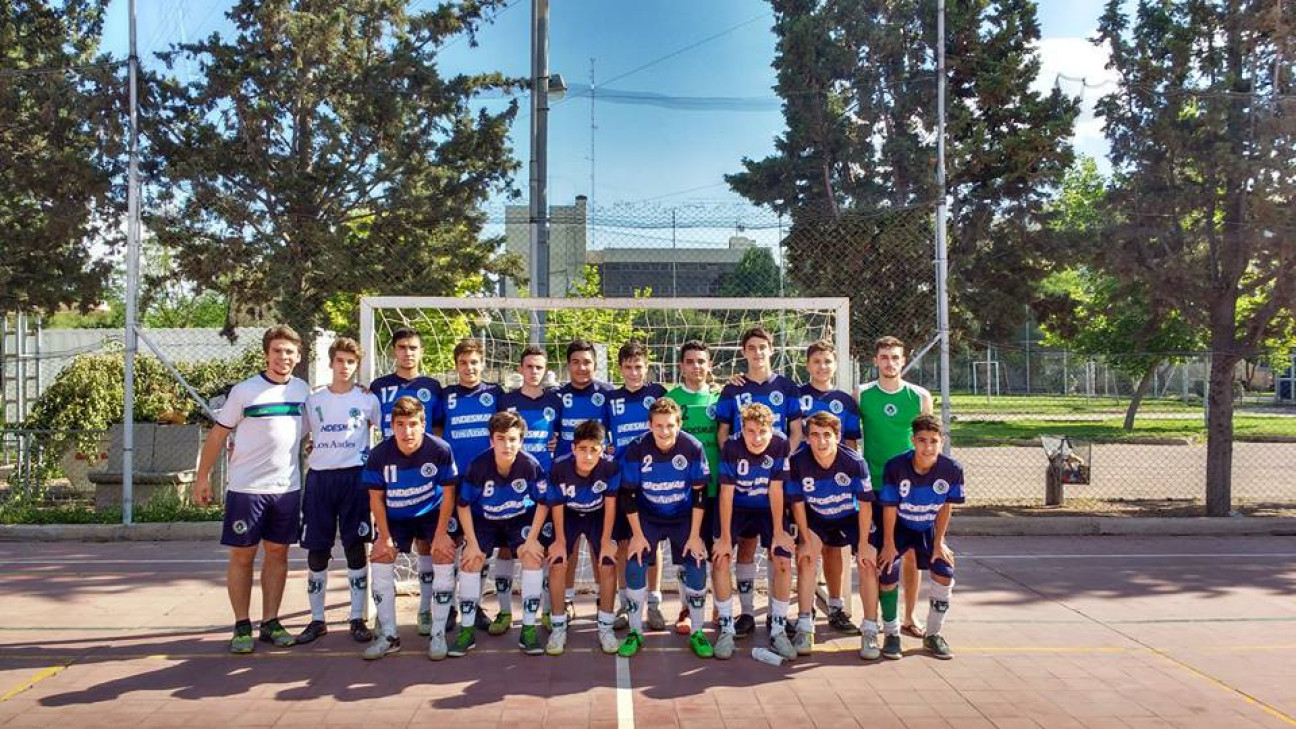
(541, 409)
(412, 481)
(752, 471)
(663, 492)
(407, 381)
(583, 398)
(819, 395)
(501, 504)
(628, 407)
(917, 491)
(826, 485)
(263, 499)
(582, 502)
(887, 407)
(781, 395)
(341, 418)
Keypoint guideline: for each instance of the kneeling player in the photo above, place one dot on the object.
(827, 482)
(752, 471)
(582, 501)
(664, 475)
(918, 488)
(411, 478)
(501, 505)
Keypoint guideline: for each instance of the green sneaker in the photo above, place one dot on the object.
(700, 645)
(937, 647)
(273, 632)
(242, 643)
(464, 642)
(502, 623)
(529, 641)
(425, 623)
(631, 645)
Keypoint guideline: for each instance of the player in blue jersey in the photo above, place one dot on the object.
(664, 476)
(781, 395)
(501, 505)
(541, 409)
(826, 485)
(584, 398)
(819, 395)
(752, 471)
(628, 420)
(582, 500)
(918, 489)
(412, 483)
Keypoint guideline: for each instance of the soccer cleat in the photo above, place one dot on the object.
(360, 632)
(744, 625)
(622, 619)
(529, 641)
(608, 641)
(425, 623)
(557, 641)
(700, 645)
(273, 632)
(465, 641)
(654, 620)
(804, 642)
(683, 623)
(242, 643)
(869, 647)
(501, 624)
(570, 609)
(839, 621)
(724, 647)
(383, 645)
(631, 645)
(891, 647)
(937, 647)
(437, 649)
(314, 630)
(781, 644)
(481, 622)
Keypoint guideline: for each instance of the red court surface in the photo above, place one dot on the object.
(1067, 632)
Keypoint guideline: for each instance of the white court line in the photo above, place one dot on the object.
(625, 696)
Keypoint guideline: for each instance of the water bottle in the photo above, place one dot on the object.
(765, 655)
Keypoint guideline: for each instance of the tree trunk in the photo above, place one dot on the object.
(1139, 393)
(1219, 433)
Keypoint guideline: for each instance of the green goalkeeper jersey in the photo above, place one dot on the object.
(886, 420)
(700, 422)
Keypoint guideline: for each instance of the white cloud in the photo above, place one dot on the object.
(1078, 66)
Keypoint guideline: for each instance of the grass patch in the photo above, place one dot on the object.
(971, 432)
(1065, 404)
(161, 509)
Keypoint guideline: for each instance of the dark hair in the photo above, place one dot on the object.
(887, 343)
(504, 421)
(532, 350)
(665, 406)
(694, 345)
(927, 423)
(589, 430)
(756, 332)
(407, 407)
(468, 346)
(280, 331)
(822, 345)
(824, 419)
(579, 345)
(344, 344)
(630, 350)
(405, 333)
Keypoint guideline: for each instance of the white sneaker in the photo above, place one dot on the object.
(382, 646)
(608, 641)
(724, 646)
(780, 644)
(869, 650)
(437, 648)
(557, 641)
(804, 642)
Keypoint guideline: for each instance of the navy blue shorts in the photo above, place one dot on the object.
(405, 531)
(754, 524)
(676, 532)
(577, 524)
(495, 534)
(906, 539)
(335, 501)
(843, 532)
(250, 518)
(620, 527)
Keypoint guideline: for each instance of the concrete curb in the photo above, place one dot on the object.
(962, 526)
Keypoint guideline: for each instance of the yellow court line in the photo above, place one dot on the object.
(39, 676)
(1265, 707)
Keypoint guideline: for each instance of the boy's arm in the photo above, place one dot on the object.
(794, 437)
(939, 549)
(207, 460)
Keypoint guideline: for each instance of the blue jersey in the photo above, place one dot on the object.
(391, 387)
(414, 484)
(465, 414)
(584, 494)
(751, 474)
(778, 392)
(919, 497)
(496, 495)
(579, 405)
(628, 413)
(829, 493)
(835, 402)
(664, 480)
(542, 415)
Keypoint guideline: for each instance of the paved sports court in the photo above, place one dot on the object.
(1066, 632)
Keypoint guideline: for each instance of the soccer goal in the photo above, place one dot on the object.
(507, 325)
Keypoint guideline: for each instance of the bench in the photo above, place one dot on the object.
(166, 463)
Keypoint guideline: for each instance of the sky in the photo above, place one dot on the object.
(645, 154)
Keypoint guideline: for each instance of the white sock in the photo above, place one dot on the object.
(654, 598)
(891, 627)
(635, 605)
(426, 575)
(835, 602)
(470, 586)
(622, 597)
(869, 627)
(358, 579)
(384, 595)
(606, 621)
(316, 584)
(725, 609)
(805, 622)
(697, 607)
(532, 594)
(443, 584)
(745, 572)
(939, 596)
(778, 616)
(504, 584)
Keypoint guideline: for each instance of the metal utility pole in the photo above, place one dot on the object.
(132, 287)
(539, 160)
(942, 212)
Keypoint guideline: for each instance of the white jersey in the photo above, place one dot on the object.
(266, 418)
(340, 427)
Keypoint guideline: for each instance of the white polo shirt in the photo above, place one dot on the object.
(340, 427)
(266, 418)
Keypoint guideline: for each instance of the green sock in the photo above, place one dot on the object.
(890, 604)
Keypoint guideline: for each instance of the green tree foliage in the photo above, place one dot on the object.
(1202, 128)
(61, 144)
(756, 275)
(321, 151)
(612, 327)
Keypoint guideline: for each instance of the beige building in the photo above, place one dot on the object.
(567, 243)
